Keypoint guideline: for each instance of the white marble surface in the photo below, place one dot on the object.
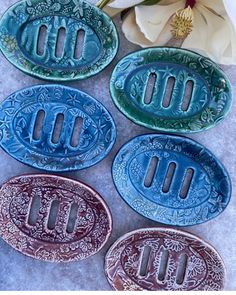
(18, 272)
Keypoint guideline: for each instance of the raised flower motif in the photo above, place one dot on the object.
(9, 42)
(216, 271)
(174, 245)
(212, 286)
(195, 266)
(132, 265)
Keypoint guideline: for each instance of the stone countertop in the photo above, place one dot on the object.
(18, 272)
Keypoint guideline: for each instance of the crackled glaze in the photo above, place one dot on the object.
(18, 119)
(20, 27)
(209, 192)
(92, 226)
(211, 97)
(204, 269)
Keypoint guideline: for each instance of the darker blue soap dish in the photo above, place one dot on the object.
(171, 179)
(56, 128)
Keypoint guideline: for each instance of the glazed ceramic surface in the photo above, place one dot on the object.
(176, 261)
(209, 101)
(21, 26)
(171, 198)
(78, 228)
(42, 106)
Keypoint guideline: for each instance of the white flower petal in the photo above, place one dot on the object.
(230, 7)
(212, 36)
(132, 31)
(152, 19)
(124, 3)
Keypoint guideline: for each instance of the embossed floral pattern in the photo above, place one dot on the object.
(97, 134)
(174, 245)
(204, 268)
(205, 198)
(195, 266)
(216, 271)
(57, 243)
(210, 102)
(28, 16)
(8, 42)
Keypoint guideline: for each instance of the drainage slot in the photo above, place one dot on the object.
(181, 271)
(53, 214)
(187, 95)
(150, 88)
(187, 183)
(57, 128)
(168, 92)
(72, 218)
(34, 210)
(38, 125)
(163, 265)
(60, 44)
(41, 43)
(144, 261)
(75, 139)
(79, 44)
(151, 172)
(169, 177)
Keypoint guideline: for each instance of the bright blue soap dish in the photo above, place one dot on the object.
(55, 128)
(171, 179)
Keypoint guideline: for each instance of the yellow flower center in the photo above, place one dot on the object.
(182, 23)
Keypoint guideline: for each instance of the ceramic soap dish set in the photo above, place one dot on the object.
(167, 178)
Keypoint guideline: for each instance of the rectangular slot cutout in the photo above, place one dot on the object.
(38, 125)
(78, 126)
(181, 271)
(151, 172)
(169, 177)
(57, 128)
(150, 88)
(168, 92)
(187, 96)
(34, 210)
(72, 218)
(60, 44)
(79, 44)
(187, 183)
(144, 261)
(163, 265)
(53, 214)
(41, 43)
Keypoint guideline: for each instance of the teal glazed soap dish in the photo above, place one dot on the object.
(171, 179)
(55, 128)
(58, 40)
(171, 90)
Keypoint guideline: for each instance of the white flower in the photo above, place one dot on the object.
(213, 33)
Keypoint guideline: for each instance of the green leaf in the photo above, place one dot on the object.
(150, 2)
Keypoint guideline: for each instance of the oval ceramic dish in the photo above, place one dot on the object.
(141, 84)
(171, 179)
(157, 259)
(53, 218)
(58, 40)
(55, 128)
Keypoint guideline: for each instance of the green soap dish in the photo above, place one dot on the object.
(141, 81)
(58, 40)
